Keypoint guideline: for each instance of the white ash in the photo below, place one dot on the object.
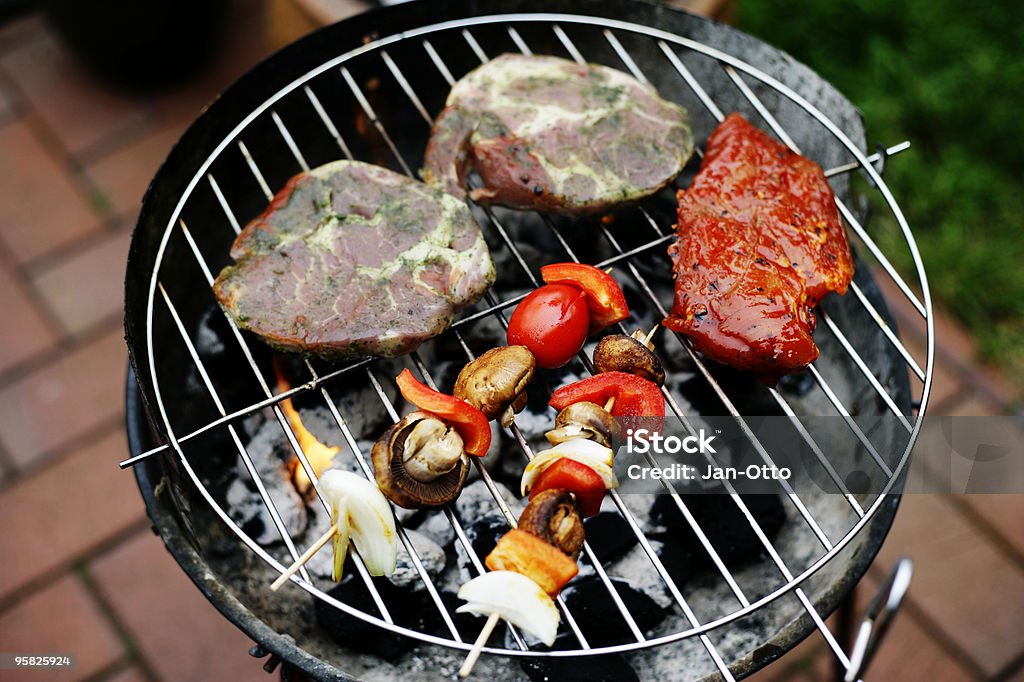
(705, 592)
(438, 528)
(476, 501)
(637, 569)
(246, 506)
(431, 556)
(322, 563)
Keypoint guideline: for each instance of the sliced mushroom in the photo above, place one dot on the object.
(552, 516)
(583, 420)
(420, 462)
(622, 353)
(495, 381)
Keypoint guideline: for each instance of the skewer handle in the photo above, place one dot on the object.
(306, 556)
(481, 639)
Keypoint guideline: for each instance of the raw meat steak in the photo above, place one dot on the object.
(550, 134)
(352, 259)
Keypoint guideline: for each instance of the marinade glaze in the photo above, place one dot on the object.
(759, 244)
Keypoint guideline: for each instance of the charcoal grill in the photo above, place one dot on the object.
(366, 88)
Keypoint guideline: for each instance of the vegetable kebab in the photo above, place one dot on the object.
(422, 460)
(566, 483)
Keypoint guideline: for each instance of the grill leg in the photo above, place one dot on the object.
(846, 617)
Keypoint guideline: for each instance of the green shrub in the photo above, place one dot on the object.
(949, 76)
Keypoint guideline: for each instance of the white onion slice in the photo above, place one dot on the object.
(360, 511)
(515, 598)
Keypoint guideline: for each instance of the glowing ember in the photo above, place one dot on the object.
(320, 456)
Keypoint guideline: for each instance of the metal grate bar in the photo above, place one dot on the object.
(224, 204)
(834, 399)
(871, 158)
(289, 140)
(752, 98)
(360, 458)
(614, 496)
(715, 111)
(285, 426)
(570, 620)
(368, 109)
(854, 223)
(475, 46)
(862, 366)
(400, 77)
(568, 44)
(816, 449)
(755, 526)
(255, 171)
(624, 56)
(809, 519)
(518, 40)
(244, 412)
(328, 123)
(268, 502)
(691, 81)
(887, 330)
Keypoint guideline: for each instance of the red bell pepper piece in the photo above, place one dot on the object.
(634, 396)
(469, 422)
(605, 299)
(577, 478)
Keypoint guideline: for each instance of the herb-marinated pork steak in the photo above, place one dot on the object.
(352, 259)
(550, 134)
(760, 243)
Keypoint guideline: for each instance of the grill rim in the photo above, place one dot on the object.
(548, 17)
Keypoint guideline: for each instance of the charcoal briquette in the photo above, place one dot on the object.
(609, 536)
(723, 524)
(598, 617)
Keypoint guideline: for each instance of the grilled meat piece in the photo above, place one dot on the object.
(759, 244)
(352, 259)
(550, 134)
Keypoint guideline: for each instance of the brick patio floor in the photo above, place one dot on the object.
(81, 571)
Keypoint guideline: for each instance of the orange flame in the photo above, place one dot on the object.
(320, 456)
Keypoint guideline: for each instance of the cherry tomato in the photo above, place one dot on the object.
(552, 322)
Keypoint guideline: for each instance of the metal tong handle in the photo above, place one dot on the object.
(878, 617)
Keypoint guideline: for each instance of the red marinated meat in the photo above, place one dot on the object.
(550, 134)
(759, 244)
(352, 259)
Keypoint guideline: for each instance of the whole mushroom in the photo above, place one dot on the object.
(495, 382)
(583, 420)
(420, 462)
(552, 516)
(621, 353)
